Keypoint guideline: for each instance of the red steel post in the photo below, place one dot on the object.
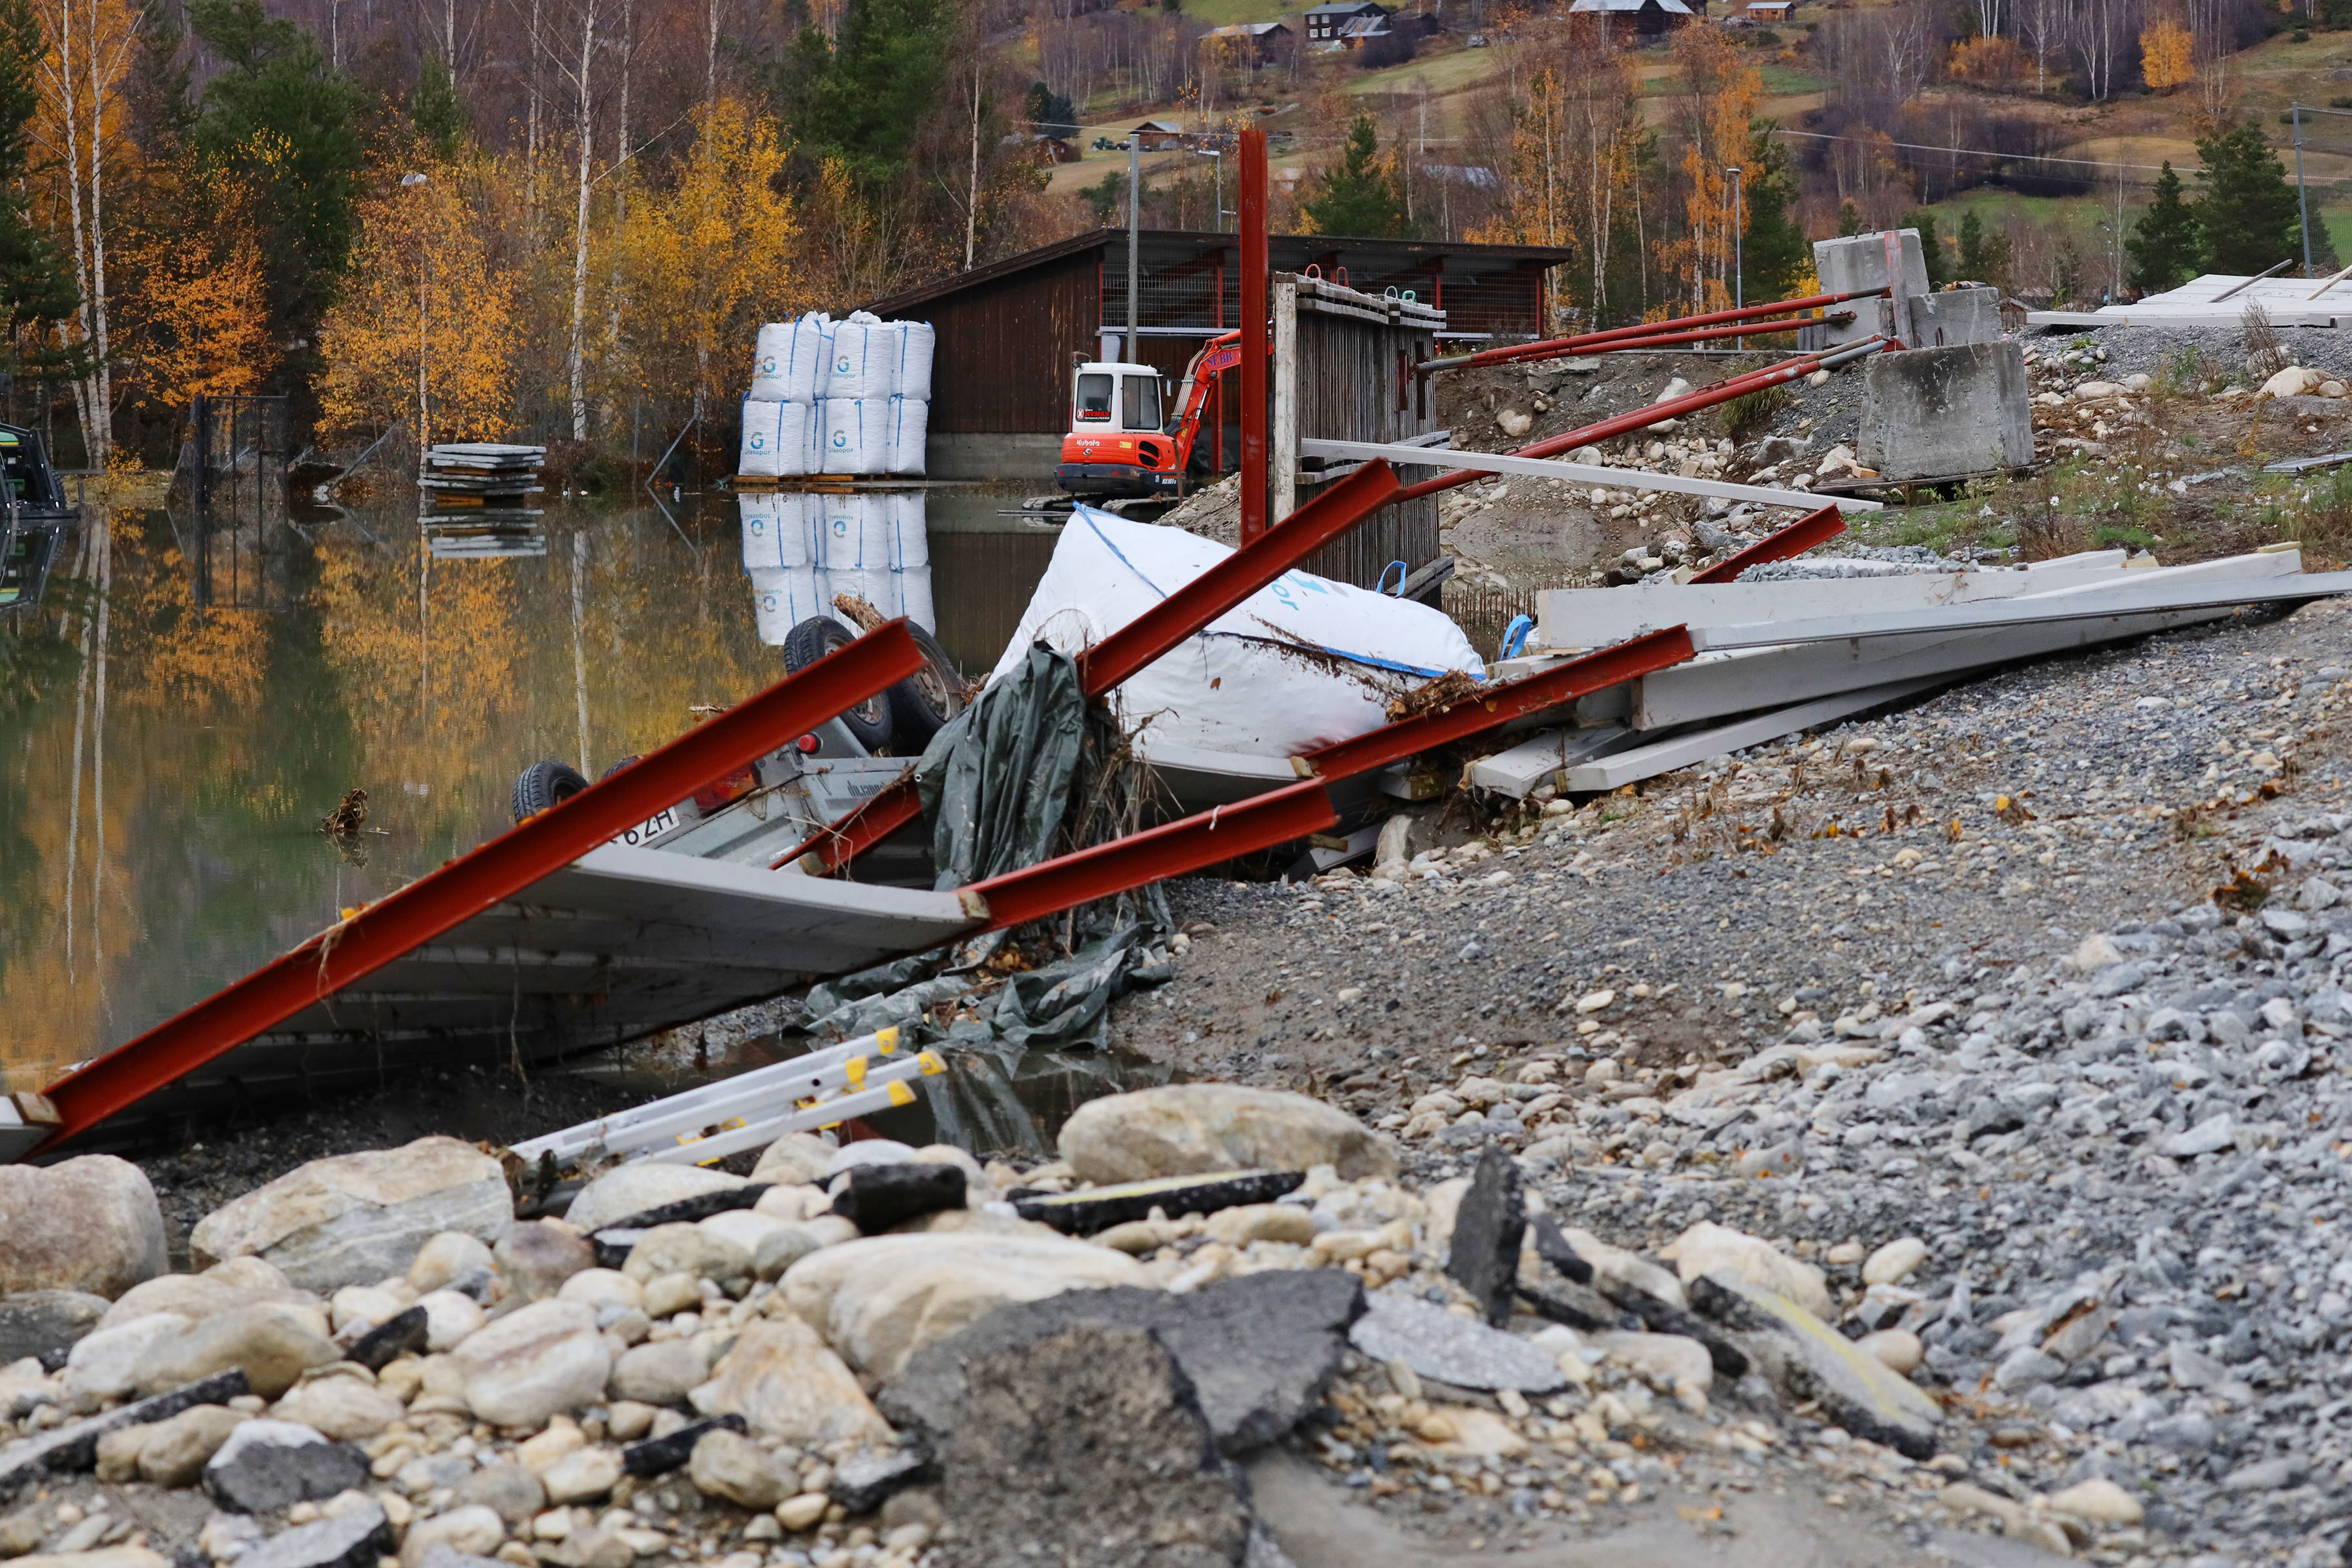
(1794, 540)
(1550, 347)
(467, 886)
(1202, 840)
(1253, 324)
(1499, 704)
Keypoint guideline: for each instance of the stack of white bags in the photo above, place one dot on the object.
(838, 397)
(801, 549)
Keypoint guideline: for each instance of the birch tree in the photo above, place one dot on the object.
(581, 74)
(89, 44)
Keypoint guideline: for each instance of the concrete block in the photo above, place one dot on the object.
(1935, 412)
(1955, 316)
(1861, 261)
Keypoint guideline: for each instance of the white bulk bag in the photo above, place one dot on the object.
(782, 598)
(796, 445)
(910, 537)
(862, 362)
(764, 530)
(908, 422)
(1241, 684)
(843, 524)
(762, 453)
(916, 342)
(790, 364)
(767, 361)
(854, 432)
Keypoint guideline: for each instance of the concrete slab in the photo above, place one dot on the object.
(1321, 1524)
(1540, 759)
(1928, 413)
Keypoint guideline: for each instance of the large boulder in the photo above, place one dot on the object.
(781, 1378)
(534, 1363)
(271, 1344)
(1260, 1350)
(89, 1224)
(354, 1219)
(1188, 1128)
(1087, 1447)
(879, 1299)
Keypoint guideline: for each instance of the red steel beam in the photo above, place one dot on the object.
(1643, 417)
(1257, 562)
(1794, 540)
(1252, 214)
(467, 886)
(1145, 638)
(1550, 347)
(1204, 839)
(1486, 708)
(1702, 335)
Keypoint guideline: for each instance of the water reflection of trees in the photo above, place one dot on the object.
(227, 734)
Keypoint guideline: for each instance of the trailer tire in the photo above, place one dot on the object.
(869, 723)
(921, 705)
(544, 784)
(626, 762)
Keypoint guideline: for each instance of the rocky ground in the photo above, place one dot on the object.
(2044, 972)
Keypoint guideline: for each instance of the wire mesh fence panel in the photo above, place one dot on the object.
(1484, 613)
(237, 486)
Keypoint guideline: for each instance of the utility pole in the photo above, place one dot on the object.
(1739, 247)
(2302, 199)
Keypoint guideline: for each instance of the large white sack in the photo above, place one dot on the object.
(790, 364)
(843, 524)
(911, 535)
(1301, 663)
(863, 358)
(776, 532)
(782, 598)
(909, 423)
(855, 434)
(762, 527)
(912, 376)
(762, 453)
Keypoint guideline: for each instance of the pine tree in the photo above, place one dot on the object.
(1984, 255)
(1050, 113)
(280, 118)
(1849, 220)
(438, 113)
(34, 284)
(2247, 212)
(2164, 243)
(1774, 254)
(1359, 198)
(1931, 248)
(863, 98)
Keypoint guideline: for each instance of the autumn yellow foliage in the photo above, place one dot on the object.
(2165, 55)
(1989, 60)
(428, 315)
(196, 319)
(705, 262)
(1720, 92)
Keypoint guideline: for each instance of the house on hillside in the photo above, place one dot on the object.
(1651, 18)
(1358, 31)
(1157, 135)
(1326, 23)
(1253, 43)
(1767, 13)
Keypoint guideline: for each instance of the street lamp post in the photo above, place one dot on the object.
(1219, 154)
(1738, 227)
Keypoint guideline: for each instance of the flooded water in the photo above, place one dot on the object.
(210, 698)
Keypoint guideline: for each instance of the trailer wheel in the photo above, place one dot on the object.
(921, 704)
(544, 784)
(626, 762)
(869, 723)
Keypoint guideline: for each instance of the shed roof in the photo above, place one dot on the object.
(1671, 7)
(1366, 259)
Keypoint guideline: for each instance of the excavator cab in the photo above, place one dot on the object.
(1117, 444)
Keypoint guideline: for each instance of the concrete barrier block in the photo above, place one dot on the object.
(1936, 413)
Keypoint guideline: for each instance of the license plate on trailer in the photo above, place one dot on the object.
(651, 828)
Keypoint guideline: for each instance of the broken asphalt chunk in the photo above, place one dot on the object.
(1807, 1359)
(875, 1197)
(1488, 1229)
(1440, 1344)
(1099, 1208)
